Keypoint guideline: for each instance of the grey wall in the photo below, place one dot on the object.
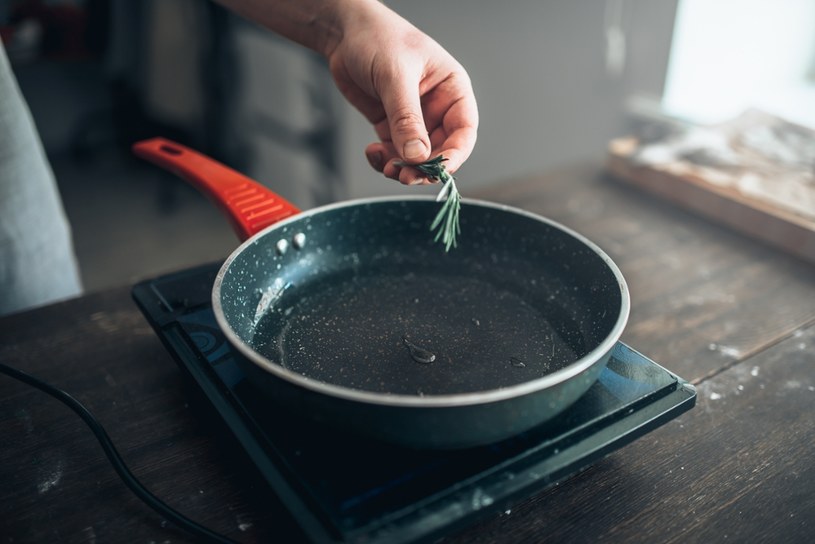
(538, 69)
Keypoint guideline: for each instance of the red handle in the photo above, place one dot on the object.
(250, 206)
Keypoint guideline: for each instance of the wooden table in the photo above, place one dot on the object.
(729, 314)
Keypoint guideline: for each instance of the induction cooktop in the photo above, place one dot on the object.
(349, 489)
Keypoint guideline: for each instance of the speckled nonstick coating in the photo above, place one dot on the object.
(350, 314)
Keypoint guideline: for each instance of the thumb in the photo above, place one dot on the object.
(405, 121)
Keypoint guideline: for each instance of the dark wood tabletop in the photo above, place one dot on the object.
(730, 315)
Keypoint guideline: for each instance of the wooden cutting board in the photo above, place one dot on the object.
(768, 196)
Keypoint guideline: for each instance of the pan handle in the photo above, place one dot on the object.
(249, 206)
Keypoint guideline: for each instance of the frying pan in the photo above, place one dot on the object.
(351, 315)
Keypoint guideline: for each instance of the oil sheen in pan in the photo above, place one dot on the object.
(415, 334)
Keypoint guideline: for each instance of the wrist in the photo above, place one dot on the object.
(347, 17)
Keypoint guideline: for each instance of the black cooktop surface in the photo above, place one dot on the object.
(350, 489)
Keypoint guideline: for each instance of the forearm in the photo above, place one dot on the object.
(417, 97)
(316, 24)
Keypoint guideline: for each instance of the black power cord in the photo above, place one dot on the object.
(115, 459)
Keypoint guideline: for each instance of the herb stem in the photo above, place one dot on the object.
(447, 219)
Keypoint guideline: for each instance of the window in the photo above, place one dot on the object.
(730, 55)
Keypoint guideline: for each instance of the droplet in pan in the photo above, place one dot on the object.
(517, 363)
(420, 355)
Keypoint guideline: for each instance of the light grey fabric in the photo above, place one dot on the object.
(37, 263)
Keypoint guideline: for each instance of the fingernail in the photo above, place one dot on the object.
(414, 149)
(375, 160)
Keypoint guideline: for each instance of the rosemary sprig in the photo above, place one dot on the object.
(446, 220)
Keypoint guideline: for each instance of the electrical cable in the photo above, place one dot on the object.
(116, 460)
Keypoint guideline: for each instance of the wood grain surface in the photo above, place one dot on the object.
(732, 315)
(739, 467)
(757, 218)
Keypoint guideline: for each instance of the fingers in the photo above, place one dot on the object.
(418, 98)
(456, 148)
(453, 103)
(450, 113)
(383, 158)
(400, 98)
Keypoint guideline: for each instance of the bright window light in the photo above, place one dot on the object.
(731, 55)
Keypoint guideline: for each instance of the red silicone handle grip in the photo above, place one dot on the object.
(250, 206)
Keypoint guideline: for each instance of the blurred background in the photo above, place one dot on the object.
(556, 81)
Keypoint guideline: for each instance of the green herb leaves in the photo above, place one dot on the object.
(446, 220)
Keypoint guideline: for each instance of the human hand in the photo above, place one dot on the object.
(416, 95)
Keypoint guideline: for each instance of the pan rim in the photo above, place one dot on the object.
(435, 401)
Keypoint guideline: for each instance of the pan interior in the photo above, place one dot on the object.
(420, 333)
(377, 306)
